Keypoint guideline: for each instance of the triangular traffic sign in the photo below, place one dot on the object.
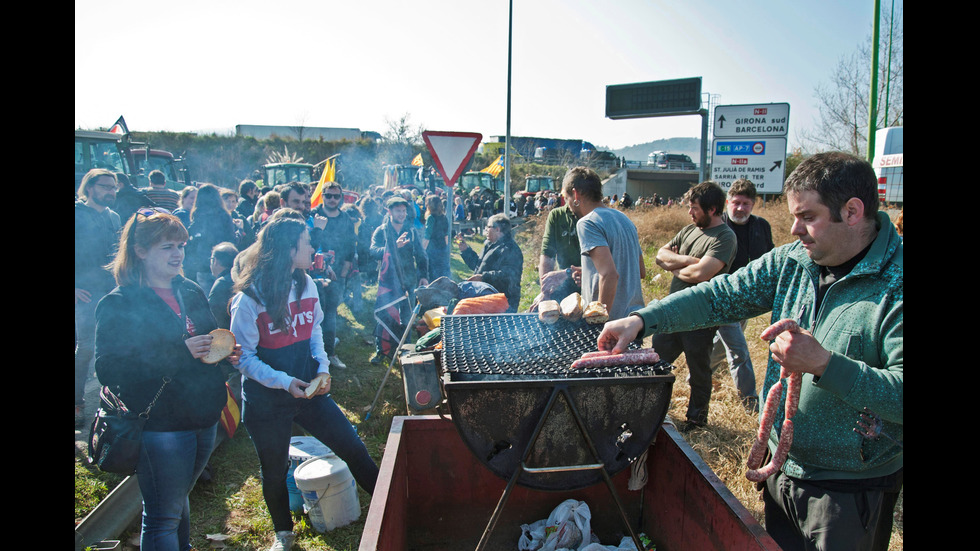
(451, 151)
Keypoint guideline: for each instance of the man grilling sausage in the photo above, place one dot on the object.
(842, 283)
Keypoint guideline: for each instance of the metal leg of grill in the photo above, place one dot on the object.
(408, 329)
(522, 467)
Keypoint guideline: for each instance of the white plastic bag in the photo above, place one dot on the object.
(532, 536)
(568, 526)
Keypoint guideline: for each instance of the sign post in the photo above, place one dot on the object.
(750, 142)
(450, 152)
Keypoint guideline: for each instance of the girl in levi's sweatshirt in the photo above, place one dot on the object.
(276, 317)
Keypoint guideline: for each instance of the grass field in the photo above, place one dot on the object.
(232, 505)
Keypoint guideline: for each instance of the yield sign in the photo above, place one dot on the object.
(451, 151)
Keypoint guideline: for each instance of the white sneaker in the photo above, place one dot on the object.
(335, 362)
(284, 541)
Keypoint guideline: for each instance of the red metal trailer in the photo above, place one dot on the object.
(434, 494)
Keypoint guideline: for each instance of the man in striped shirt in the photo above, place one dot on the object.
(159, 194)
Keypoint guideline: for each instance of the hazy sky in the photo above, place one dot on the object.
(207, 65)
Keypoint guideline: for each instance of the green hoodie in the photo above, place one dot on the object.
(860, 321)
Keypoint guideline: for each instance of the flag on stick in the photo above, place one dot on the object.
(495, 167)
(417, 161)
(329, 175)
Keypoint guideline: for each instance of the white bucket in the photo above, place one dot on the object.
(301, 448)
(329, 492)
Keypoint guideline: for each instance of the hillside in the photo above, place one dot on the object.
(639, 152)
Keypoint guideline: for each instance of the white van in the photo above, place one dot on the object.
(888, 165)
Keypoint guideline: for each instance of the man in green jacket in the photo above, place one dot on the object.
(842, 282)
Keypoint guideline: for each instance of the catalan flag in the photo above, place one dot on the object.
(495, 167)
(231, 414)
(417, 161)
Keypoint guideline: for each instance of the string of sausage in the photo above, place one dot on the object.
(605, 358)
(757, 472)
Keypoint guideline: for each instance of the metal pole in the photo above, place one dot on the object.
(873, 99)
(510, 47)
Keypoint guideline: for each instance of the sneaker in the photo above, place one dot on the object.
(751, 404)
(284, 541)
(335, 362)
(378, 358)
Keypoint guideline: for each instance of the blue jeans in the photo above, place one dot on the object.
(730, 344)
(169, 465)
(269, 424)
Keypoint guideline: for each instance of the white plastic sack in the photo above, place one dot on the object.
(568, 526)
(532, 536)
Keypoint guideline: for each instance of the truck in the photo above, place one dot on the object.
(547, 150)
(537, 183)
(887, 164)
(481, 184)
(146, 160)
(283, 173)
(99, 149)
(662, 160)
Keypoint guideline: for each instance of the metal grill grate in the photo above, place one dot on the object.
(518, 346)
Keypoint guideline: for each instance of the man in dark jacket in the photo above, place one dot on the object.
(96, 237)
(128, 198)
(402, 269)
(501, 263)
(754, 237)
(333, 235)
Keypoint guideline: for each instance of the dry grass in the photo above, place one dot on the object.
(726, 441)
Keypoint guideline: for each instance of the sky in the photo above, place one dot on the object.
(208, 65)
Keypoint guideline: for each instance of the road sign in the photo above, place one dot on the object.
(761, 160)
(744, 121)
(451, 151)
(654, 99)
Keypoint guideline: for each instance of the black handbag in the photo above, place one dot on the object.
(114, 440)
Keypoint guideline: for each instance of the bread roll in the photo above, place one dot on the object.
(222, 345)
(596, 312)
(549, 311)
(572, 307)
(316, 383)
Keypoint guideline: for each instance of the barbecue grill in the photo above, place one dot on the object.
(533, 421)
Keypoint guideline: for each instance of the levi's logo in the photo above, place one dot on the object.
(302, 321)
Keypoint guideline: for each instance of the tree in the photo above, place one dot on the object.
(843, 101)
(401, 140)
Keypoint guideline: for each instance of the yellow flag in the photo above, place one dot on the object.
(417, 161)
(329, 174)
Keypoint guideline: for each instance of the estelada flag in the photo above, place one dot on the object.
(417, 161)
(495, 167)
(231, 414)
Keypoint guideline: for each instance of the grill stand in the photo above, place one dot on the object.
(559, 389)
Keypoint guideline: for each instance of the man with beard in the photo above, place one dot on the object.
(612, 261)
(501, 263)
(698, 252)
(754, 236)
(96, 237)
(333, 235)
(402, 269)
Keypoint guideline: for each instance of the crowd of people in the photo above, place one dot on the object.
(273, 268)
